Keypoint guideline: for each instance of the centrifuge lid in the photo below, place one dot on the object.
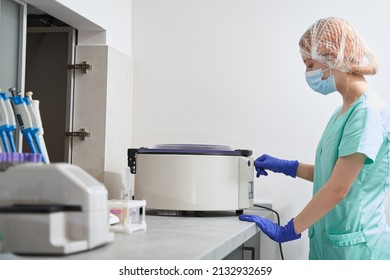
(194, 149)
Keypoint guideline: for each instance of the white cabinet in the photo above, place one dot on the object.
(250, 250)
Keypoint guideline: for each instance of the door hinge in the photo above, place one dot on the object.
(81, 134)
(84, 66)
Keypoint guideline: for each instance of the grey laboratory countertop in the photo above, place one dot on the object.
(212, 236)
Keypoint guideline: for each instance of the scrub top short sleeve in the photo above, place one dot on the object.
(356, 227)
(363, 133)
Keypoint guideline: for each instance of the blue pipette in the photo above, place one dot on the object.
(10, 125)
(34, 126)
(37, 122)
(24, 120)
(3, 126)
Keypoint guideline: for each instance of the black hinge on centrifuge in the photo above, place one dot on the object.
(132, 159)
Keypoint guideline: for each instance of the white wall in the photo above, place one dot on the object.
(229, 72)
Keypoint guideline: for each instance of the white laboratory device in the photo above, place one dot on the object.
(51, 209)
(185, 177)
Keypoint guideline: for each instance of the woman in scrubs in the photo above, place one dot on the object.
(351, 175)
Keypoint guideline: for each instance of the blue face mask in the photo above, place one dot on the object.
(314, 80)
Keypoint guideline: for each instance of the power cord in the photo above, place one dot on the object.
(277, 216)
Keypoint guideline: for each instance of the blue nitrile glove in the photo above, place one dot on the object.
(274, 231)
(287, 167)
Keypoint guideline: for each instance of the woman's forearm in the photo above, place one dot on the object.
(319, 206)
(344, 174)
(305, 171)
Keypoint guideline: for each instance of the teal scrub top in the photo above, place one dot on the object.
(355, 228)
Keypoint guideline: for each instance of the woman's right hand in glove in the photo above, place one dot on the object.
(266, 162)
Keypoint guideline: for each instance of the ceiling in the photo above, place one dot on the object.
(38, 18)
